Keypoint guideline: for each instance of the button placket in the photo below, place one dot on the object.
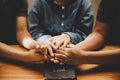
(63, 15)
(63, 7)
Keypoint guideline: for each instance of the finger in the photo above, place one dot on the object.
(70, 45)
(54, 40)
(52, 59)
(50, 51)
(37, 46)
(58, 43)
(45, 54)
(63, 49)
(65, 44)
(40, 49)
(50, 41)
(56, 61)
(53, 45)
(61, 58)
(60, 52)
(32, 45)
(61, 63)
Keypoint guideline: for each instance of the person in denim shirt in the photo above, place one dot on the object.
(60, 22)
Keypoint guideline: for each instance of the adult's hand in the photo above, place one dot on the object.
(41, 48)
(59, 41)
(72, 55)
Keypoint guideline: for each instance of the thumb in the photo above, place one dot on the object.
(65, 44)
(32, 46)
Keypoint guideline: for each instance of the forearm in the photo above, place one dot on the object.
(97, 38)
(7, 51)
(24, 39)
(92, 42)
(103, 57)
(23, 36)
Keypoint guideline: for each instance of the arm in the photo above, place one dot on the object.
(76, 57)
(78, 54)
(104, 19)
(12, 53)
(103, 57)
(23, 36)
(97, 38)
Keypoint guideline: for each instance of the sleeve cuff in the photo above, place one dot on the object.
(44, 38)
(74, 37)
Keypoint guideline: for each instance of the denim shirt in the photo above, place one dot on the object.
(46, 19)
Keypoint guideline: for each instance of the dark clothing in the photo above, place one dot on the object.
(8, 13)
(46, 19)
(109, 13)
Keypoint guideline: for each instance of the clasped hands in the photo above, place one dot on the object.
(59, 50)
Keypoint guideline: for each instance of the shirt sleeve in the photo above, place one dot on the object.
(105, 11)
(21, 7)
(35, 28)
(83, 22)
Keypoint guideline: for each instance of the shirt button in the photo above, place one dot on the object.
(63, 7)
(62, 24)
(63, 16)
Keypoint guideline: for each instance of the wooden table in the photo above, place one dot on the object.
(15, 70)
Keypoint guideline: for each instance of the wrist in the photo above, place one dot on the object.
(66, 35)
(19, 56)
(26, 42)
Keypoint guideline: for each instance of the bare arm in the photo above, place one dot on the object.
(77, 56)
(81, 53)
(9, 52)
(96, 39)
(24, 56)
(23, 36)
(103, 57)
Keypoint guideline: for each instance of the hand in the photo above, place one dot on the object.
(59, 41)
(41, 48)
(47, 51)
(35, 45)
(73, 55)
(29, 43)
(70, 45)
